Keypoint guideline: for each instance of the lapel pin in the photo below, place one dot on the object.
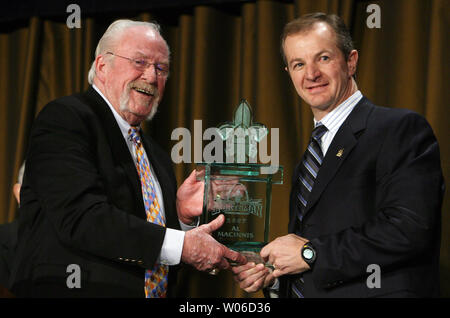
(340, 153)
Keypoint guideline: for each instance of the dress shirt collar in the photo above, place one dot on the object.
(334, 119)
(123, 124)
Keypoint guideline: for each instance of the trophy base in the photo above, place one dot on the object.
(249, 249)
(246, 246)
(251, 252)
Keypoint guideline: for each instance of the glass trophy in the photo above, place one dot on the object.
(240, 188)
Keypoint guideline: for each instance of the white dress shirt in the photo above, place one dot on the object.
(173, 240)
(334, 119)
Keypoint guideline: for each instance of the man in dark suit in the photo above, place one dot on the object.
(366, 197)
(100, 213)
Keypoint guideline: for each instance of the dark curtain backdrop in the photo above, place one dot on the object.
(220, 54)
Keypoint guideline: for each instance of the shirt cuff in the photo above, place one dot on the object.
(274, 290)
(275, 284)
(172, 247)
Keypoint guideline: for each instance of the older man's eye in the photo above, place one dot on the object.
(162, 67)
(140, 63)
(324, 58)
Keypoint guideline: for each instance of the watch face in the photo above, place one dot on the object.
(307, 253)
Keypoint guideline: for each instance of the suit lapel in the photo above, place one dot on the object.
(340, 148)
(116, 141)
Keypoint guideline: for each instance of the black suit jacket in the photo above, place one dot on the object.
(81, 203)
(378, 203)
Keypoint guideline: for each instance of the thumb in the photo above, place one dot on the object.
(264, 253)
(215, 224)
(191, 178)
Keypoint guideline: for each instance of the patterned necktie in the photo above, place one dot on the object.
(309, 170)
(155, 278)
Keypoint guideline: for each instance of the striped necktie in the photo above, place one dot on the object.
(155, 278)
(309, 170)
(312, 160)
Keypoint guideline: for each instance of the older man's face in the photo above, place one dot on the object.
(133, 92)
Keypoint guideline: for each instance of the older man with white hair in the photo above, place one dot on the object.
(101, 215)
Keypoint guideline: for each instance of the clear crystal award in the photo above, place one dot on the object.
(240, 188)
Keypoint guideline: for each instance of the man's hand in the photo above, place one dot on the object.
(190, 199)
(252, 278)
(203, 252)
(284, 254)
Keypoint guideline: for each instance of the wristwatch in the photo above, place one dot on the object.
(308, 253)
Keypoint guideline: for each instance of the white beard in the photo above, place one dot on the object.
(125, 98)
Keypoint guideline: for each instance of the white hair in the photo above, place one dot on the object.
(112, 35)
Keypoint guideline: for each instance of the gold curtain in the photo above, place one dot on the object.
(220, 55)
